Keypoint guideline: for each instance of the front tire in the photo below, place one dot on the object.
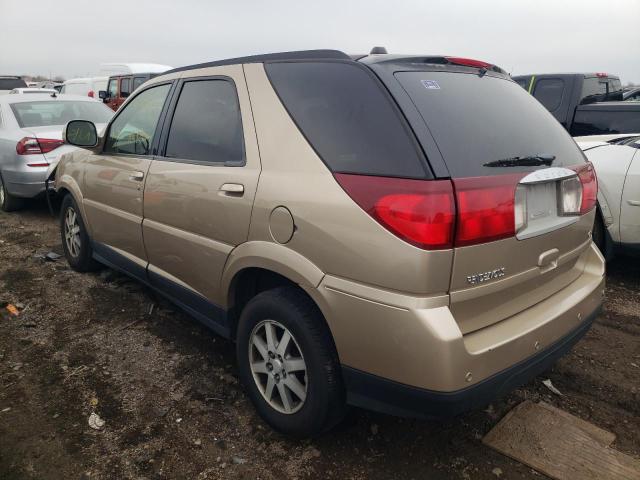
(75, 239)
(8, 202)
(288, 363)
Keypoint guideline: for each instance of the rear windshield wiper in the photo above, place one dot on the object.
(527, 161)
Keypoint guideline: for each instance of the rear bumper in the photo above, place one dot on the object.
(386, 396)
(25, 184)
(407, 355)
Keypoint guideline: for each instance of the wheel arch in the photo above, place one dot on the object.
(254, 267)
(66, 185)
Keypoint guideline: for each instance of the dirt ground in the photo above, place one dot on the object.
(168, 392)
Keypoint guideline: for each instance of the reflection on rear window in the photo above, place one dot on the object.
(43, 114)
(476, 120)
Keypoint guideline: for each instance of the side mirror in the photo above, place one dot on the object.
(103, 94)
(80, 133)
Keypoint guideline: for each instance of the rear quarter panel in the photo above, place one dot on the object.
(331, 230)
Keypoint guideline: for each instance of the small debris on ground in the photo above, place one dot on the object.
(497, 472)
(52, 256)
(547, 383)
(96, 422)
(238, 460)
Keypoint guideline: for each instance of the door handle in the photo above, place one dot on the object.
(136, 176)
(232, 188)
(634, 203)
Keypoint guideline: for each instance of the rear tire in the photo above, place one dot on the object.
(598, 233)
(288, 309)
(75, 239)
(8, 202)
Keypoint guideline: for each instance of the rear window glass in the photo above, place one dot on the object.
(43, 114)
(593, 122)
(476, 120)
(549, 92)
(347, 118)
(11, 83)
(594, 89)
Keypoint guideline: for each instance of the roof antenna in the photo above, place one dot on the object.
(378, 51)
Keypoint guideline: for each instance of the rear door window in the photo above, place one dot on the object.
(125, 87)
(480, 119)
(549, 92)
(347, 118)
(206, 124)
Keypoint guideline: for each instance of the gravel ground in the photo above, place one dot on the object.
(168, 391)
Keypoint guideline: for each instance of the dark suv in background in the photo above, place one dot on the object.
(584, 103)
(9, 82)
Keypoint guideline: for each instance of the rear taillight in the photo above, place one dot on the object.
(486, 208)
(468, 62)
(91, 94)
(587, 175)
(418, 211)
(31, 145)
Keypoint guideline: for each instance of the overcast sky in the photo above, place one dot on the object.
(72, 37)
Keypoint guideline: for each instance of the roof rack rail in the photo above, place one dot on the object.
(269, 57)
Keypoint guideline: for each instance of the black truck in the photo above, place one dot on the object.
(584, 103)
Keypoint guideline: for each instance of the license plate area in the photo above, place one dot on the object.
(537, 203)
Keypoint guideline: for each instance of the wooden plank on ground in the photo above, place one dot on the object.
(560, 445)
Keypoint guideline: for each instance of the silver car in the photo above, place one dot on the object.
(31, 139)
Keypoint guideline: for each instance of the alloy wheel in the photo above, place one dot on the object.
(278, 366)
(72, 232)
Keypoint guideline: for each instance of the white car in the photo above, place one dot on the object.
(33, 90)
(31, 140)
(616, 159)
(89, 86)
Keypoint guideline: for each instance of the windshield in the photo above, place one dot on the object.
(476, 120)
(44, 114)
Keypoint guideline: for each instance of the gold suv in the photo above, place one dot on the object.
(408, 234)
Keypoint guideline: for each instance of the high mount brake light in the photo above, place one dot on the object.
(421, 212)
(468, 62)
(32, 145)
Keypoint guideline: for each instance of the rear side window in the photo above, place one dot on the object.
(549, 92)
(206, 125)
(476, 119)
(593, 122)
(347, 118)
